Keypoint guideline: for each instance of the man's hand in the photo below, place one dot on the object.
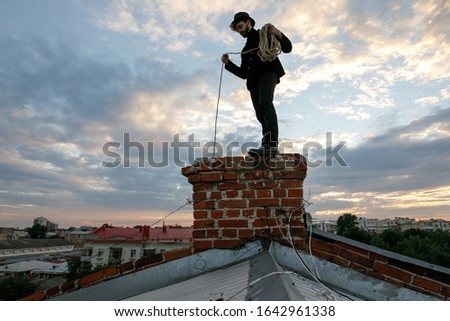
(274, 31)
(225, 59)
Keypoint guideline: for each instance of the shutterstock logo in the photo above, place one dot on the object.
(184, 153)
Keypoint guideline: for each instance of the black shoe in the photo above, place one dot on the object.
(264, 150)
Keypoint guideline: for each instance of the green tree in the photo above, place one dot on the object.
(358, 234)
(345, 223)
(77, 269)
(15, 288)
(37, 231)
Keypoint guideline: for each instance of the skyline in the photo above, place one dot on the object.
(76, 75)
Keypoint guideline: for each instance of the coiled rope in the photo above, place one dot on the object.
(269, 46)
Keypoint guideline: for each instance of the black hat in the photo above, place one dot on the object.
(241, 16)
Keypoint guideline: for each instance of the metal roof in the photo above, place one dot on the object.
(254, 272)
(258, 278)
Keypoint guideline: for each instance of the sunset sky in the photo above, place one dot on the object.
(76, 75)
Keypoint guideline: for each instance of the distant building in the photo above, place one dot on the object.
(377, 226)
(10, 249)
(51, 226)
(115, 245)
(6, 233)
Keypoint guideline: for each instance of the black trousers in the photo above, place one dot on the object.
(262, 93)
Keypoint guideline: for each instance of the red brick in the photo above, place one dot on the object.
(52, 292)
(199, 224)
(233, 223)
(378, 257)
(212, 233)
(230, 185)
(291, 202)
(291, 183)
(263, 202)
(358, 268)
(357, 258)
(196, 178)
(263, 184)
(149, 260)
(199, 196)
(352, 248)
(232, 194)
(215, 195)
(200, 214)
(262, 232)
(185, 171)
(202, 244)
(199, 234)
(233, 203)
(90, 279)
(232, 233)
(228, 244)
(263, 193)
(445, 291)
(324, 247)
(177, 254)
(67, 286)
(262, 212)
(230, 176)
(261, 173)
(38, 296)
(280, 231)
(390, 271)
(233, 213)
(126, 267)
(321, 255)
(249, 176)
(279, 192)
(265, 222)
(202, 187)
(111, 271)
(246, 234)
(217, 214)
(203, 205)
(248, 193)
(427, 284)
(297, 192)
(293, 174)
(249, 213)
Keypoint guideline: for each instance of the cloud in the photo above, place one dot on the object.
(389, 170)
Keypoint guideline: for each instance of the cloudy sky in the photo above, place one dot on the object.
(79, 77)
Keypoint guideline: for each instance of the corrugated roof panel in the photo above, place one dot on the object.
(314, 291)
(216, 285)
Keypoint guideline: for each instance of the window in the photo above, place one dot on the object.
(133, 254)
(100, 253)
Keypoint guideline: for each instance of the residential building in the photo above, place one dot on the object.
(51, 226)
(115, 245)
(6, 233)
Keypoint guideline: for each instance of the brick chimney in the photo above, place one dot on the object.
(238, 200)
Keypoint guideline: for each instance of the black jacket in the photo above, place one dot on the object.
(252, 66)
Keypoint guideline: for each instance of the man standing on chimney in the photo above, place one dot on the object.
(262, 77)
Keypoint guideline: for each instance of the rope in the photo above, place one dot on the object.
(269, 46)
(217, 112)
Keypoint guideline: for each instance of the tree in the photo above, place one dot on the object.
(37, 231)
(345, 223)
(15, 288)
